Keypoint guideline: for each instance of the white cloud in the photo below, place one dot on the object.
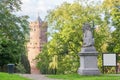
(33, 7)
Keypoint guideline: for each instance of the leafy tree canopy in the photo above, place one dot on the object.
(13, 32)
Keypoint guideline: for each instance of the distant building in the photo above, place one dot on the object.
(38, 38)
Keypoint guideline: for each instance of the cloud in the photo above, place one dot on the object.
(33, 7)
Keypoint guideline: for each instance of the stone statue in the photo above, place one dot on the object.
(87, 36)
(88, 54)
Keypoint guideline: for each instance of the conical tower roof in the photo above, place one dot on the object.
(39, 19)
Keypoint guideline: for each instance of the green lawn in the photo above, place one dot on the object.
(6, 76)
(79, 77)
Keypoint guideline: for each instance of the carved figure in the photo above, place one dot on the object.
(87, 36)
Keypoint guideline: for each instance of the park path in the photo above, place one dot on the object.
(36, 77)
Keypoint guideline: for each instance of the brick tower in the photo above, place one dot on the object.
(38, 37)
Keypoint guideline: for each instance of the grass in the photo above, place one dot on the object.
(6, 76)
(79, 77)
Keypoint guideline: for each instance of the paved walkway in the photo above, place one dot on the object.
(36, 77)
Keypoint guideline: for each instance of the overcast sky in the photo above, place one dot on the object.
(33, 7)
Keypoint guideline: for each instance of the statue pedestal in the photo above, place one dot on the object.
(88, 61)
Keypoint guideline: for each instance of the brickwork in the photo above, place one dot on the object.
(37, 37)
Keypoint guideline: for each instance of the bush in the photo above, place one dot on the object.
(25, 63)
(20, 68)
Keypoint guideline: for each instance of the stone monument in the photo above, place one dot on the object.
(88, 54)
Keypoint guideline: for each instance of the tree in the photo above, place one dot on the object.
(13, 32)
(65, 23)
(25, 62)
(43, 60)
(115, 14)
(54, 64)
(112, 9)
(107, 33)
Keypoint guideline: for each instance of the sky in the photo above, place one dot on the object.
(33, 8)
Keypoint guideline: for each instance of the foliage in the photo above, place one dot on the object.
(111, 8)
(115, 14)
(65, 24)
(106, 35)
(24, 61)
(6, 76)
(79, 77)
(43, 61)
(68, 64)
(110, 70)
(67, 21)
(54, 64)
(66, 31)
(6, 52)
(102, 38)
(20, 68)
(13, 32)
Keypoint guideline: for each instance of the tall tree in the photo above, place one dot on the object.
(112, 8)
(115, 14)
(65, 23)
(13, 32)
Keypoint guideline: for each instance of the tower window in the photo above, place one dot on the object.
(40, 37)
